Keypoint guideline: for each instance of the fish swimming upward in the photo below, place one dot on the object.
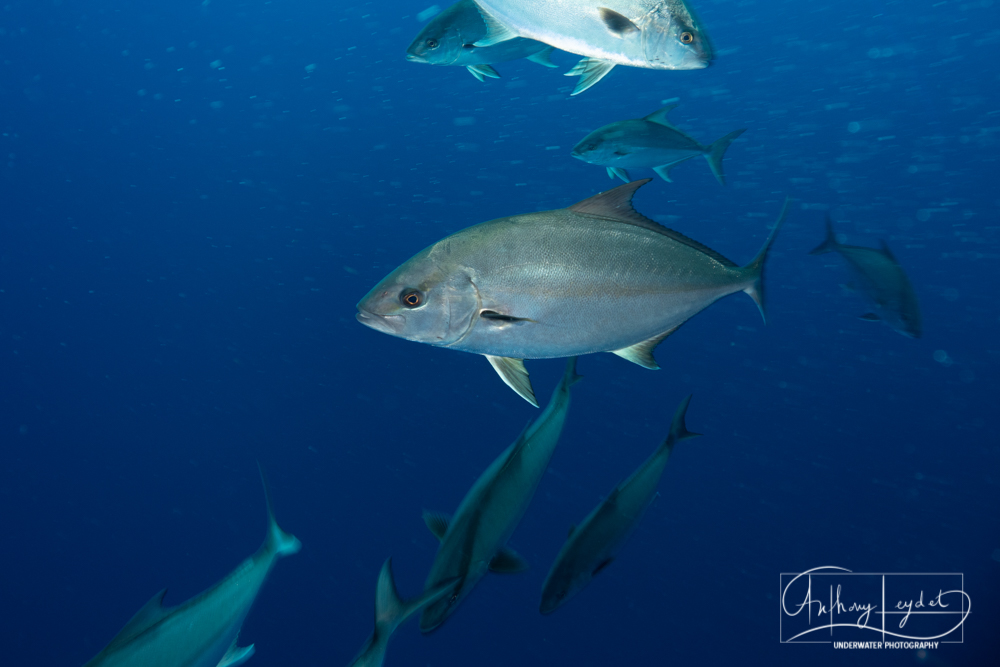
(882, 280)
(201, 632)
(390, 611)
(654, 34)
(594, 277)
(649, 142)
(473, 542)
(449, 39)
(593, 544)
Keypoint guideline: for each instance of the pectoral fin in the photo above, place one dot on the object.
(617, 25)
(619, 172)
(590, 71)
(543, 57)
(437, 523)
(508, 561)
(482, 71)
(496, 32)
(869, 317)
(514, 374)
(642, 353)
(236, 655)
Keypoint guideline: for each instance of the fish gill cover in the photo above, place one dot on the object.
(197, 194)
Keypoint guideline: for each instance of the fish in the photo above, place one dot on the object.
(390, 611)
(593, 545)
(203, 631)
(653, 34)
(649, 142)
(882, 280)
(474, 540)
(595, 277)
(449, 39)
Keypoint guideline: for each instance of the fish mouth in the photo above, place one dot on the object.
(414, 58)
(390, 324)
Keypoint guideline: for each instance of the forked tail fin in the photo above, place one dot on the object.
(756, 267)
(716, 152)
(278, 541)
(678, 429)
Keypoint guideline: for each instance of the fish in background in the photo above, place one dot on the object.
(201, 632)
(653, 34)
(449, 39)
(593, 544)
(390, 611)
(474, 541)
(595, 277)
(649, 142)
(882, 280)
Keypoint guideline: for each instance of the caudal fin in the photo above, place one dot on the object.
(716, 152)
(756, 268)
(829, 244)
(678, 429)
(391, 609)
(278, 541)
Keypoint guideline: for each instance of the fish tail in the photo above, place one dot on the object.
(755, 269)
(678, 429)
(277, 541)
(391, 609)
(829, 244)
(717, 150)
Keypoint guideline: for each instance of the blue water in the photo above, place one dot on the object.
(196, 194)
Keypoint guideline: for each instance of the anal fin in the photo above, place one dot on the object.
(642, 353)
(508, 561)
(515, 375)
(590, 71)
(236, 655)
(482, 71)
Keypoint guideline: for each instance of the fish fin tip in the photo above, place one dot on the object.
(660, 116)
(277, 540)
(570, 376)
(620, 173)
(590, 71)
(496, 31)
(148, 615)
(642, 353)
(717, 151)
(829, 243)
(236, 655)
(544, 57)
(515, 376)
(678, 429)
(437, 523)
(508, 561)
(475, 73)
(663, 171)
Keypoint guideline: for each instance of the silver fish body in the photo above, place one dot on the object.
(882, 280)
(593, 545)
(201, 632)
(651, 142)
(449, 39)
(473, 542)
(594, 277)
(653, 34)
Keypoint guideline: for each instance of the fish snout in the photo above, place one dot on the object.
(390, 324)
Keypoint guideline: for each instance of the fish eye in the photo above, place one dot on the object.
(411, 298)
(432, 43)
(686, 37)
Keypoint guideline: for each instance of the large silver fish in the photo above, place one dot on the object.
(594, 277)
(593, 544)
(201, 632)
(655, 34)
(649, 142)
(882, 280)
(390, 611)
(474, 541)
(449, 39)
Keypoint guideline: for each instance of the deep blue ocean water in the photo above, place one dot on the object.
(196, 195)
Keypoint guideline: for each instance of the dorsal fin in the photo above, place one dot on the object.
(886, 251)
(660, 116)
(616, 204)
(150, 614)
(437, 523)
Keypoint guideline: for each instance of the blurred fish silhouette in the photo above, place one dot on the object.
(882, 280)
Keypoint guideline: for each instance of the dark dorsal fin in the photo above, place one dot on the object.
(437, 523)
(151, 613)
(886, 251)
(616, 204)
